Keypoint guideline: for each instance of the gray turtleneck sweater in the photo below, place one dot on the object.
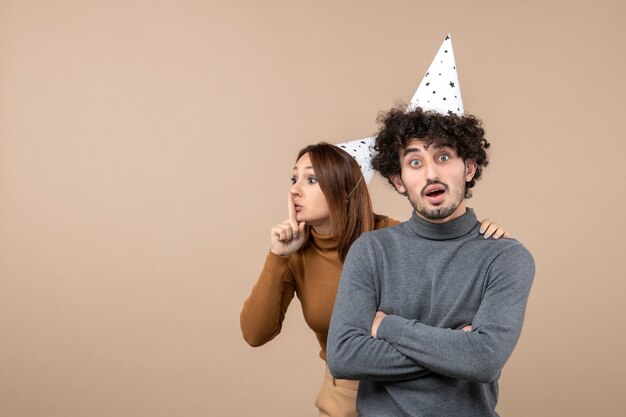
(431, 279)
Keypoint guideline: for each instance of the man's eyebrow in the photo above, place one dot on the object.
(409, 150)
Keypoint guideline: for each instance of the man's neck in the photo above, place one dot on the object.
(451, 229)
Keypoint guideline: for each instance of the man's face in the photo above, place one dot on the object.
(434, 179)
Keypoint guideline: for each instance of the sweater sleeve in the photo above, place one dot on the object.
(264, 310)
(351, 351)
(478, 355)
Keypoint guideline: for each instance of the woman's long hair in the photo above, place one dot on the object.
(344, 187)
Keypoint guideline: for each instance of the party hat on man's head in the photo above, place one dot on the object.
(439, 90)
(361, 150)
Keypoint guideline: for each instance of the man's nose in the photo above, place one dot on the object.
(431, 171)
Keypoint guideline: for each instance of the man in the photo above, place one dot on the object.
(409, 293)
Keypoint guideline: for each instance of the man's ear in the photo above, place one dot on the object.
(470, 169)
(397, 182)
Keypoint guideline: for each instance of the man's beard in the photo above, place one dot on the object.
(439, 212)
(436, 213)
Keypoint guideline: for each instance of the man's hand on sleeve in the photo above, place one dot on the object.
(376, 322)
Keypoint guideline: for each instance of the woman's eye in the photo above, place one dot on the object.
(444, 157)
(293, 180)
(415, 162)
(311, 180)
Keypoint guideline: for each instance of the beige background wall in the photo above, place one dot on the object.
(146, 149)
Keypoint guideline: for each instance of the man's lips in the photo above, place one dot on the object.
(434, 193)
(434, 189)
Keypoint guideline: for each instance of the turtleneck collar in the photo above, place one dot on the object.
(323, 241)
(443, 231)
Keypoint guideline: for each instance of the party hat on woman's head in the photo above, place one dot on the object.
(439, 90)
(361, 150)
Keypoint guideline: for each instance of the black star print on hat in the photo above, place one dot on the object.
(442, 76)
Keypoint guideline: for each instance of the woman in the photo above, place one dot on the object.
(329, 208)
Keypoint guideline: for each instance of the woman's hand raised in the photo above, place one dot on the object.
(287, 237)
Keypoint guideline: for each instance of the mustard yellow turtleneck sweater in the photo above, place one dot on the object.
(312, 274)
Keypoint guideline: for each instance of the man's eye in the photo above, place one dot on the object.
(415, 162)
(444, 158)
(311, 180)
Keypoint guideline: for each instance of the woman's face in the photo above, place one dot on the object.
(309, 200)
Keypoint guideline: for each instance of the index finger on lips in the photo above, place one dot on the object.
(291, 209)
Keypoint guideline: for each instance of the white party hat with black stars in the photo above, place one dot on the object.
(361, 150)
(440, 90)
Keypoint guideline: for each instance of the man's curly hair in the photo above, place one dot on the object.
(464, 134)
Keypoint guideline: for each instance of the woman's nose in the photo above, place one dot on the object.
(295, 188)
